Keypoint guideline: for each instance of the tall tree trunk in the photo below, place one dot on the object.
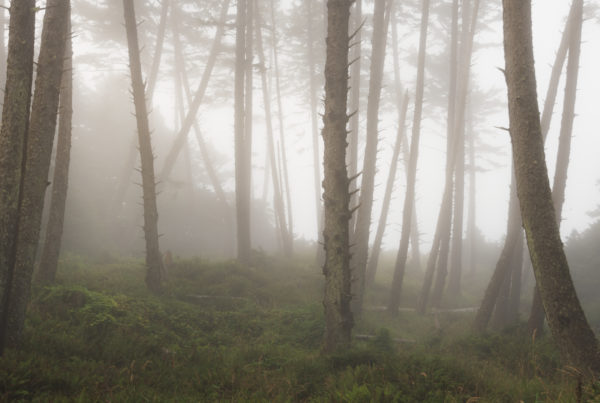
(284, 160)
(190, 118)
(2, 46)
(471, 216)
(363, 220)
(277, 191)
(411, 176)
(54, 230)
(154, 265)
(128, 167)
(13, 140)
(387, 198)
(314, 124)
(574, 337)
(38, 153)
(242, 189)
(355, 48)
(467, 38)
(573, 28)
(338, 316)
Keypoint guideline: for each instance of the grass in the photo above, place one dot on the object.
(98, 335)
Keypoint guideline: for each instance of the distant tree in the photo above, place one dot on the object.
(574, 337)
(381, 18)
(338, 316)
(154, 264)
(38, 153)
(54, 230)
(409, 199)
(13, 134)
(356, 23)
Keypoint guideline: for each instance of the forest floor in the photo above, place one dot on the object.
(224, 333)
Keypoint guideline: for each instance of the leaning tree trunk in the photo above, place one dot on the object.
(38, 153)
(154, 265)
(365, 201)
(13, 134)
(128, 167)
(387, 198)
(2, 46)
(277, 191)
(566, 319)
(564, 146)
(338, 316)
(54, 230)
(411, 176)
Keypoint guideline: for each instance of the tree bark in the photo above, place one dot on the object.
(363, 221)
(13, 140)
(40, 139)
(154, 265)
(411, 175)
(338, 316)
(60, 183)
(573, 33)
(355, 68)
(568, 324)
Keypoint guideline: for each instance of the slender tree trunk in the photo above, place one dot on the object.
(573, 29)
(154, 265)
(514, 301)
(2, 47)
(471, 216)
(277, 191)
(242, 190)
(568, 324)
(190, 118)
(128, 167)
(338, 316)
(314, 124)
(54, 230)
(411, 175)
(387, 198)
(363, 221)
(13, 141)
(40, 139)
(355, 48)
(282, 136)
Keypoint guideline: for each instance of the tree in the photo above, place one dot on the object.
(54, 230)
(338, 316)
(355, 48)
(154, 265)
(567, 322)
(381, 18)
(38, 152)
(15, 121)
(409, 198)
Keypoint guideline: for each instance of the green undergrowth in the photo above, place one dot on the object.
(220, 332)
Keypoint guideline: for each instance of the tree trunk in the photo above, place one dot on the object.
(40, 139)
(471, 216)
(2, 47)
(314, 124)
(190, 118)
(13, 140)
(573, 33)
(355, 48)
(363, 221)
(568, 324)
(242, 189)
(154, 265)
(277, 191)
(54, 230)
(284, 160)
(411, 175)
(338, 316)
(387, 198)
